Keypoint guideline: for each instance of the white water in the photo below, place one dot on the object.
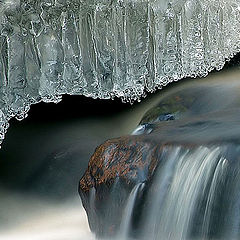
(163, 178)
(183, 181)
(191, 176)
(185, 196)
(32, 219)
(127, 214)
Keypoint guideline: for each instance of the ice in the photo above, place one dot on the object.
(106, 49)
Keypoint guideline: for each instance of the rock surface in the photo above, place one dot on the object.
(116, 166)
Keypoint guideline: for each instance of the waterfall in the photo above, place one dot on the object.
(163, 178)
(190, 179)
(128, 212)
(194, 195)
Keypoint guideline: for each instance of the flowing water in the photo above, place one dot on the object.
(195, 196)
(190, 177)
(24, 218)
(128, 212)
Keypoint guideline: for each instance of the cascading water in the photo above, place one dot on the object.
(183, 201)
(128, 212)
(190, 199)
(179, 171)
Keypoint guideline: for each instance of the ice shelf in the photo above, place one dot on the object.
(108, 48)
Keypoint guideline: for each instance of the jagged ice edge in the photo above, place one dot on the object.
(130, 94)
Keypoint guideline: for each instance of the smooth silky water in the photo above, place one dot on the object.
(196, 190)
(197, 198)
(191, 185)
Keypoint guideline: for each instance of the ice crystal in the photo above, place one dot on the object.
(108, 48)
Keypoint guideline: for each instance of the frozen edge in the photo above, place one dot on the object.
(125, 96)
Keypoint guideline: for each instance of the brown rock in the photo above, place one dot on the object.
(116, 166)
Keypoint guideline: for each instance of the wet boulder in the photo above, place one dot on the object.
(114, 169)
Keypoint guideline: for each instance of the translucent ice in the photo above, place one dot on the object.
(108, 48)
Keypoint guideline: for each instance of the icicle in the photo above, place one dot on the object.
(105, 49)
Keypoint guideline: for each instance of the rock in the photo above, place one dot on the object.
(120, 165)
(116, 166)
